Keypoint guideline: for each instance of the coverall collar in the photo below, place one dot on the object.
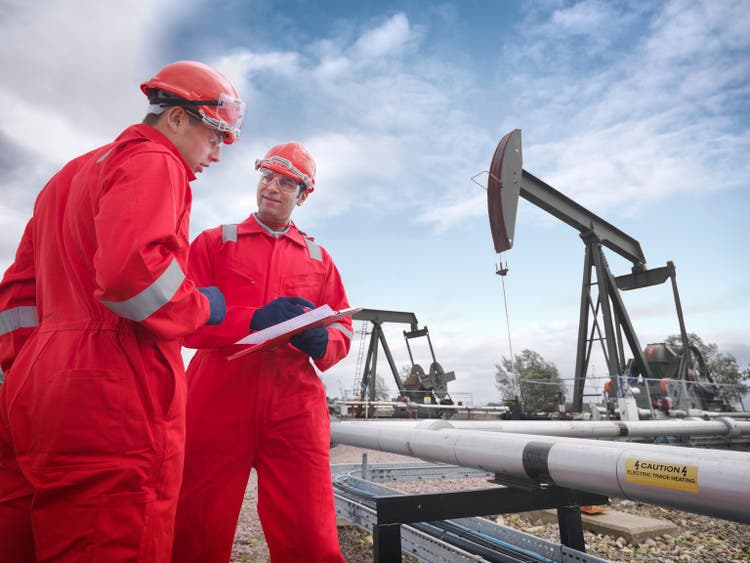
(252, 226)
(143, 131)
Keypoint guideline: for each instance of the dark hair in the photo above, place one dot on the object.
(153, 118)
(167, 100)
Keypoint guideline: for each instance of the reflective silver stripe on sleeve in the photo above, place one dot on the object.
(343, 329)
(105, 155)
(18, 317)
(314, 250)
(155, 296)
(228, 233)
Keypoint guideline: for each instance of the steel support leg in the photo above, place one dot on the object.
(386, 540)
(394, 510)
(571, 527)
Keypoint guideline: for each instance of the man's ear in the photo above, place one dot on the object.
(175, 119)
(302, 197)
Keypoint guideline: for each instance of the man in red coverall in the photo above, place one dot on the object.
(266, 409)
(92, 313)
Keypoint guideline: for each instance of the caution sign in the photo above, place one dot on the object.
(659, 474)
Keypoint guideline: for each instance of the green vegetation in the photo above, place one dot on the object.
(535, 381)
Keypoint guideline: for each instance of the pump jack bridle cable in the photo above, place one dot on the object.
(501, 271)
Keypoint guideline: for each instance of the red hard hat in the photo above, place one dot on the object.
(290, 159)
(212, 95)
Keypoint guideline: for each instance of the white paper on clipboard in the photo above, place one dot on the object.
(280, 333)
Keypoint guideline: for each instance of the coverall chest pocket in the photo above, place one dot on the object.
(304, 285)
(239, 285)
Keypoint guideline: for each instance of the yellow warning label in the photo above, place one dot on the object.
(659, 474)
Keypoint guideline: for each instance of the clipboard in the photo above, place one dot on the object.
(280, 333)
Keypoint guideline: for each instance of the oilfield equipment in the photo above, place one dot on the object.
(536, 471)
(659, 381)
(634, 387)
(422, 390)
(561, 464)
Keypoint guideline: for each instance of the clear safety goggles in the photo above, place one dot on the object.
(229, 115)
(284, 163)
(229, 112)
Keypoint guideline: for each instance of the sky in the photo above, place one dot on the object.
(639, 111)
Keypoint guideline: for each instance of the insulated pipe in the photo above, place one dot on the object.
(443, 424)
(710, 482)
(426, 406)
(600, 429)
(601, 443)
(713, 414)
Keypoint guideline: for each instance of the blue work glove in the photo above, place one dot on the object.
(217, 304)
(312, 342)
(279, 310)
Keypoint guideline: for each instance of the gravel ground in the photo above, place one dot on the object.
(701, 538)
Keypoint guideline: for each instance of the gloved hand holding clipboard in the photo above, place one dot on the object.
(280, 333)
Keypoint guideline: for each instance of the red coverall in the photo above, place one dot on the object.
(92, 313)
(266, 410)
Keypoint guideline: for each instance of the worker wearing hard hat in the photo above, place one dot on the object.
(92, 313)
(265, 410)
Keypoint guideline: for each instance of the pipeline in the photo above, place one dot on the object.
(596, 429)
(423, 406)
(710, 482)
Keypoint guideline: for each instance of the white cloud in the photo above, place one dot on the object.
(332, 68)
(650, 122)
(72, 60)
(375, 135)
(445, 217)
(12, 223)
(54, 135)
(357, 169)
(586, 17)
(386, 39)
(244, 66)
(72, 78)
(587, 28)
(686, 28)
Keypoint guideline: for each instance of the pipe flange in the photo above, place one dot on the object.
(733, 430)
(433, 425)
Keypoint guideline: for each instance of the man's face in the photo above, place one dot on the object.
(277, 197)
(198, 144)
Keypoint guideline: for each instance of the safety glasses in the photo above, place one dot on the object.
(285, 183)
(284, 163)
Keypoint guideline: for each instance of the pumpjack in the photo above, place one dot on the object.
(603, 316)
(421, 387)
